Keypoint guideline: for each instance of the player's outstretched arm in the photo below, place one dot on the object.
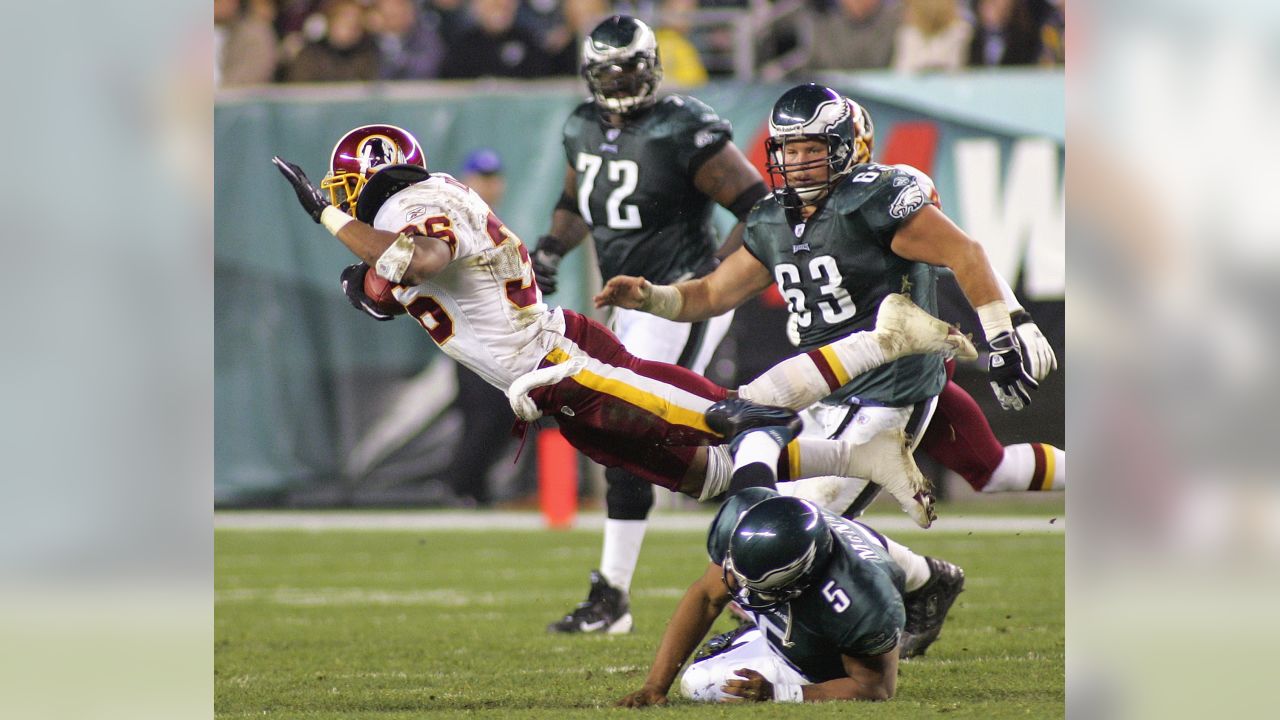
(406, 259)
(736, 279)
(693, 617)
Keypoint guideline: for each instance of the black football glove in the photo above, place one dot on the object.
(353, 286)
(546, 259)
(313, 201)
(1009, 378)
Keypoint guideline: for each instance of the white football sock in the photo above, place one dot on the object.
(621, 551)
(912, 564)
(800, 381)
(757, 447)
(1029, 467)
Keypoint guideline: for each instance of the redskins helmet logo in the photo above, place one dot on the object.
(377, 150)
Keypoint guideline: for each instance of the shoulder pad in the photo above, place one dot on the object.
(925, 182)
(383, 184)
(864, 181)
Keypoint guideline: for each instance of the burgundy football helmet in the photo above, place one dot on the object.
(864, 132)
(362, 152)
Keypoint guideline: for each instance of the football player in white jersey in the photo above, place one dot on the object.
(438, 254)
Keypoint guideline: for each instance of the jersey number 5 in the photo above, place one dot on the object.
(834, 301)
(835, 595)
(624, 172)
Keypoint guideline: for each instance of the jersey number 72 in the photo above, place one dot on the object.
(624, 172)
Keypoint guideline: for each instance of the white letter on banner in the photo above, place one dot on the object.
(1019, 222)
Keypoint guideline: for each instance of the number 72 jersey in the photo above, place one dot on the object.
(636, 190)
(834, 270)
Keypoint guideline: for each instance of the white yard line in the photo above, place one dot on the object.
(454, 520)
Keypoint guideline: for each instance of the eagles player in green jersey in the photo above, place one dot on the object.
(841, 236)
(826, 597)
(643, 177)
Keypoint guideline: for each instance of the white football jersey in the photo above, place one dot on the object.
(484, 308)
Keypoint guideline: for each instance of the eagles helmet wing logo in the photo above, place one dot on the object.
(908, 201)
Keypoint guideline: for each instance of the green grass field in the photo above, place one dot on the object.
(411, 624)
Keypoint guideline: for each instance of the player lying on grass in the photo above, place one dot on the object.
(439, 254)
(826, 597)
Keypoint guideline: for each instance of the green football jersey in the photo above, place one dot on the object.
(834, 270)
(853, 606)
(635, 186)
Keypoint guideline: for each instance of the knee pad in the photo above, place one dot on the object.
(627, 497)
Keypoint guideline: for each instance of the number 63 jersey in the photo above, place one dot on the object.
(852, 607)
(484, 308)
(834, 270)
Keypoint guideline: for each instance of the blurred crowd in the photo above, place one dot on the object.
(264, 41)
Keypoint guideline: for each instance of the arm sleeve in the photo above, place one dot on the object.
(876, 630)
(755, 240)
(873, 643)
(699, 133)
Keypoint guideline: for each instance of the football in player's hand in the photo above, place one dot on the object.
(378, 288)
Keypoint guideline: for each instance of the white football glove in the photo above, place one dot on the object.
(1037, 355)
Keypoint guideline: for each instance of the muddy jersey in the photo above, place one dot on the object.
(483, 309)
(636, 190)
(853, 606)
(834, 270)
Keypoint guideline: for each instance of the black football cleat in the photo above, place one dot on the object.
(606, 610)
(733, 417)
(927, 607)
(722, 642)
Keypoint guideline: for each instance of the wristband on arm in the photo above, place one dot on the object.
(334, 219)
(746, 200)
(995, 318)
(665, 301)
(568, 204)
(552, 244)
